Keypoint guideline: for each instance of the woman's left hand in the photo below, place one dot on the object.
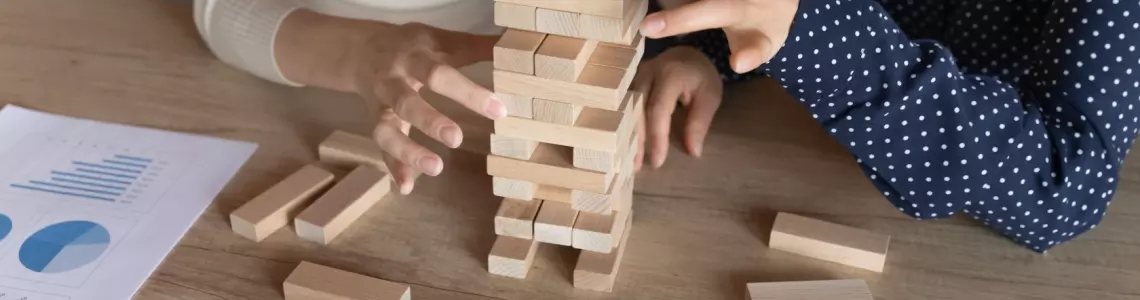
(756, 29)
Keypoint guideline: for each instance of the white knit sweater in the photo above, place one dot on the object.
(241, 32)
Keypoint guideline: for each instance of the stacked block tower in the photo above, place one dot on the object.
(563, 158)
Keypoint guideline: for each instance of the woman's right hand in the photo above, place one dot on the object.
(390, 69)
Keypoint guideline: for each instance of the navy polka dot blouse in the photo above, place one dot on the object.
(1017, 113)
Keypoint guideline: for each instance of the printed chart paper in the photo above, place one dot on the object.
(88, 210)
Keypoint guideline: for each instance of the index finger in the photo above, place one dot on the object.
(449, 82)
(692, 17)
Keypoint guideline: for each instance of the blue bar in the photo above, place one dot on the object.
(134, 158)
(73, 188)
(89, 183)
(61, 192)
(106, 173)
(90, 177)
(123, 163)
(106, 167)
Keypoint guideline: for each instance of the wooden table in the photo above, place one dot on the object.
(701, 225)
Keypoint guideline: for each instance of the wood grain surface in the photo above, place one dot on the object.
(701, 225)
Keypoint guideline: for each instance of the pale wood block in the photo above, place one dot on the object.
(517, 106)
(599, 232)
(596, 129)
(611, 29)
(844, 289)
(512, 147)
(552, 193)
(345, 150)
(310, 281)
(562, 58)
(513, 188)
(556, 112)
(515, 16)
(557, 22)
(511, 256)
(829, 241)
(514, 52)
(515, 218)
(618, 56)
(605, 8)
(596, 87)
(620, 197)
(555, 223)
(274, 207)
(550, 165)
(345, 202)
(597, 271)
(605, 161)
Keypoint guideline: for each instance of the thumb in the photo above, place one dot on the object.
(701, 111)
(750, 49)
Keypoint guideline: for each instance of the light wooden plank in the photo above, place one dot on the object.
(345, 202)
(512, 147)
(515, 16)
(611, 29)
(556, 112)
(517, 105)
(511, 256)
(515, 218)
(310, 281)
(842, 289)
(550, 165)
(273, 209)
(597, 271)
(595, 129)
(605, 8)
(345, 150)
(557, 22)
(829, 241)
(599, 232)
(555, 223)
(562, 58)
(597, 87)
(513, 188)
(515, 50)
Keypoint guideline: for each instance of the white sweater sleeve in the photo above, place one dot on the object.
(241, 33)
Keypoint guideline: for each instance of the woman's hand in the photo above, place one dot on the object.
(681, 74)
(388, 65)
(756, 29)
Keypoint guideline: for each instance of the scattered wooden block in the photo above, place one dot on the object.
(597, 87)
(517, 106)
(550, 165)
(846, 289)
(597, 271)
(511, 256)
(829, 241)
(552, 193)
(345, 150)
(513, 188)
(310, 281)
(515, 218)
(512, 147)
(557, 22)
(605, 8)
(595, 129)
(272, 209)
(614, 30)
(515, 52)
(555, 224)
(599, 232)
(556, 112)
(562, 58)
(345, 202)
(515, 16)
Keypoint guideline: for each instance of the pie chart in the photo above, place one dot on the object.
(64, 246)
(5, 226)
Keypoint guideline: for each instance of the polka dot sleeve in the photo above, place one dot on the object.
(1035, 158)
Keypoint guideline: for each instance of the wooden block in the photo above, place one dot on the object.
(345, 150)
(599, 232)
(513, 188)
(620, 197)
(550, 165)
(829, 241)
(552, 193)
(845, 289)
(310, 281)
(597, 87)
(614, 30)
(515, 218)
(272, 209)
(605, 8)
(515, 16)
(618, 56)
(555, 223)
(556, 112)
(604, 161)
(345, 202)
(511, 256)
(557, 22)
(517, 106)
(515, 51)
(512, 147)
(595, 129)
(562, 58)
(597, 271)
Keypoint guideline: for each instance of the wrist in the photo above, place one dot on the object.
(323, 51)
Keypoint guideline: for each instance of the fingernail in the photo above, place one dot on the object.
(697, 150)
(430, 165)
(451, 135)
(653, 24)
(495, 108)
(406, 187)
(742, 64)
